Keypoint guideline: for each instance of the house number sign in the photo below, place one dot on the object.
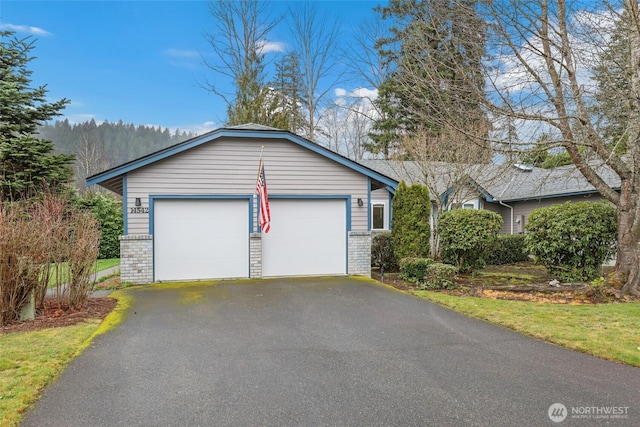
(139, 210)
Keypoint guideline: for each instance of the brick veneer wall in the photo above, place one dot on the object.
(136, 258)
(255, 255)
(359, 253)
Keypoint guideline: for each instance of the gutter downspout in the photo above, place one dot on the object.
(504, 204)
(510, 207)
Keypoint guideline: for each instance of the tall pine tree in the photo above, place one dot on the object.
(435, 53)
(27, 164)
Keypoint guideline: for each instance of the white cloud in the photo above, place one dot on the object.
(363, 92)
(265, 46)
(36, 31)
(339, 92)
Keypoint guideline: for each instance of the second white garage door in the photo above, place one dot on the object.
(307, 237)
(201, 239)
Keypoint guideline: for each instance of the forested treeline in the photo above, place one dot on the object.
(97, 147)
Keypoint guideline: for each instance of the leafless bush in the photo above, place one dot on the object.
(20, 240)
(36, 238)
(83, 246)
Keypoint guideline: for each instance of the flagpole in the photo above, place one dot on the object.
(259, 166)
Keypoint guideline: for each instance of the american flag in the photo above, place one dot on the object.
(264, 216)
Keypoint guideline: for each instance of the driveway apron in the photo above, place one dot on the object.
(322, 352)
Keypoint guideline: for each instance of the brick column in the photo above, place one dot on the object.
(359, 253)
(255, 255)
(136, 258)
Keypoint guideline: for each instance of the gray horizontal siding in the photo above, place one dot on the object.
(525, 207)
(230, 166)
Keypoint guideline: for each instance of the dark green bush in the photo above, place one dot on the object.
(411, 228)
(508, 248)
(440, 276)
(466, 236)
(414, 269)
(108, 212)
(382, 255)
(572, 240)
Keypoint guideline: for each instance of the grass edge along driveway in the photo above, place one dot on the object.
(29, 361)
(609, 331)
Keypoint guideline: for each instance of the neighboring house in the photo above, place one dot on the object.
(512, 191)
(190, 210)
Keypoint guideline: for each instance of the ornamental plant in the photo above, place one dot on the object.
(573, 240)
(382, 255)
(410, 231)
(508, 249)
(467, 236)
(108, 212)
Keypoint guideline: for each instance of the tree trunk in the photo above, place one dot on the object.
(628, 262)
(628, 252)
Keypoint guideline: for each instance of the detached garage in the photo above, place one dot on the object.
(191, 210)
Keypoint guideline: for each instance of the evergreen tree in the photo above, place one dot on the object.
(27, 164)
(435, 53)
(251, 94)
(287, 93)
(612, 80)
(411, 229)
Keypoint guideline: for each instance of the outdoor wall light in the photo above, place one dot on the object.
(360, 202)
(138, 202)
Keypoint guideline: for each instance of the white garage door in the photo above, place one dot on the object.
(307, 237)
(201, 239)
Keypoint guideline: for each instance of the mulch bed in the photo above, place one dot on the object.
(569, 293)
(56, 314)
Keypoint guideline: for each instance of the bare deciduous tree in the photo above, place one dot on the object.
(315, 40)
(238, 41)
(90, 158)
(543, 55)
(448, 171)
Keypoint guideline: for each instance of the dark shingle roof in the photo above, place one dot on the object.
(500, 182)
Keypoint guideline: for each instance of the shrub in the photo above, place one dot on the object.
(508, 248)
(466, 236)
(440, 276)
(410, 231)
(36, 237)
(382, 255)
(572, 240)
(414, 269)
(108, 212)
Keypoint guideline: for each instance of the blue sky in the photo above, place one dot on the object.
(138, 61)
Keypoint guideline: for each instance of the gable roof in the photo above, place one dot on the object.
(112, 179)
(505, 183)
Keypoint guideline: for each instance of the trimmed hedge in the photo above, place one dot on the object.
(440, 276)
(411, 229)
(467, 236)
(414, 269)
(573, 240)
(508, 249)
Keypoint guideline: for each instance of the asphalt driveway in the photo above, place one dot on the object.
(322, 352)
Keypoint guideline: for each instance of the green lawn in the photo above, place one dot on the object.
(63, 275)
(29, 361)
(610, 331)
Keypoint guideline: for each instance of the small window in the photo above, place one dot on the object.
(468, 206)
(377, 216)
